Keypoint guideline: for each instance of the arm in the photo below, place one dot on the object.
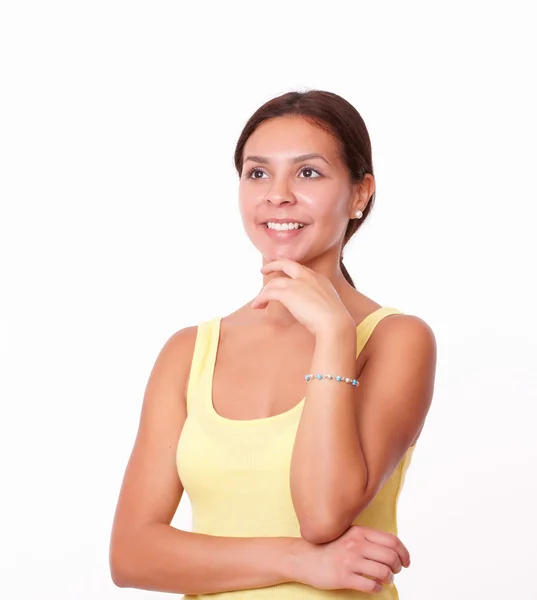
(350, 439)
(146, 552)
(160, 558)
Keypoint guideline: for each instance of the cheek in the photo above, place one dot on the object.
(323, 201)
(329, 207)
(247, 209)
(245, 202)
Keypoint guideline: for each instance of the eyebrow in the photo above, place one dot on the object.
(296, 159)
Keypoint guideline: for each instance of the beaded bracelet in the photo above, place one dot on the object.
(336, 377)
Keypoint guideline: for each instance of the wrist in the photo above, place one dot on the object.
(295, 560)
(337, 330)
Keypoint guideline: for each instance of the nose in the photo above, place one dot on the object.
(280, 193)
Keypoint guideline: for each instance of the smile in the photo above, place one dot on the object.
(283, 231)
(284, 226)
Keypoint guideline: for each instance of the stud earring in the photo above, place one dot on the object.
(359, 214)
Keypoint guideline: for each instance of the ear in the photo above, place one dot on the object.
(362, 193)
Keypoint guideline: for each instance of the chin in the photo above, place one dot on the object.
(275, 254)
(272, 250)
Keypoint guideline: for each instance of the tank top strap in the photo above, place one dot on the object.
(366, 327)
(203, 360)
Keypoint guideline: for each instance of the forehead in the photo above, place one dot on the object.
(291, 134)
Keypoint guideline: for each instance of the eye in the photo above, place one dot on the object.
(254, 173)
(310, 170)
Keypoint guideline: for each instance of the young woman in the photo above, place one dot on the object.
(290, 422)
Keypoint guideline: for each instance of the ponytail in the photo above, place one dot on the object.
(346, 273)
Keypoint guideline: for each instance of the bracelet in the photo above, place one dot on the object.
(336, 377)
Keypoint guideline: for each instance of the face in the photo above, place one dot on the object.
(292, 173)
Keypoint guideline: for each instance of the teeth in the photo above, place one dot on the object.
(284, 226)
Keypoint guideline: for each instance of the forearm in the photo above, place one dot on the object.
(328, 470)
(161, 558)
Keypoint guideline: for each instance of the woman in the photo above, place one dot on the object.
(290, 500)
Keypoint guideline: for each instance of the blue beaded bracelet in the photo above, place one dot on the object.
(336, 377)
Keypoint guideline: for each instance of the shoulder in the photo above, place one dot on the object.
(181, 342)
(175, 357)
(405, 330)
(183, 337)
(170, 373)
(406, 345)
(399, 328)
(399, 372)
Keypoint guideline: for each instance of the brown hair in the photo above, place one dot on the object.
(336, 116)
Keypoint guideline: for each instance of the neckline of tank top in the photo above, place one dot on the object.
(215, 331)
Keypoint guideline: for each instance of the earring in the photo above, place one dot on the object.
(359, 214)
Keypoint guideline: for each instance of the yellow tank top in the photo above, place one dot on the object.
(236, 472)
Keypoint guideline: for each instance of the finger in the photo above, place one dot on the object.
(363, 584)
(371, 568)
(390, 541)
(288, 266)
(382, 554)
(276, 291)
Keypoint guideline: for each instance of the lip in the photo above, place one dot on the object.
(287, 220)
(285, 234)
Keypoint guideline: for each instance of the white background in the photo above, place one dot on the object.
(119, 225)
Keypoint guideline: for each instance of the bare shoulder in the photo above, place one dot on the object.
(405, 347)
(394, 333)
(406, 327)
(171, 367)
(182, 341)
(405, 330)
(176, 354)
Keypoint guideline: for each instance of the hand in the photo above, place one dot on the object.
(342, 563)
(309, 296)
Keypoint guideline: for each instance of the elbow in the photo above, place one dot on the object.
(117, 575)
(118, 572)
(322, 535)
(322, 531)
(117, 580)
(120, 560)
(315, 537)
